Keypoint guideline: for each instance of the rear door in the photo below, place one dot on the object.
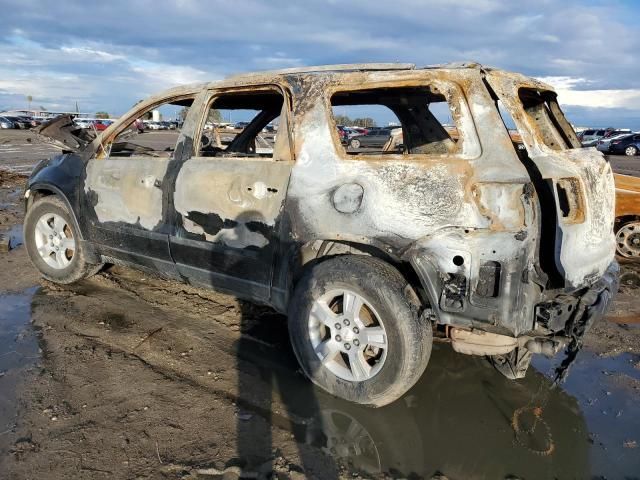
(229, 196)
(578, 181)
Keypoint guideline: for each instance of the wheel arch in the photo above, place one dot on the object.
(624, 219)
(303, 256)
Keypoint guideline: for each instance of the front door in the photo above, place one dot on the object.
(127, 190)
(229, 196)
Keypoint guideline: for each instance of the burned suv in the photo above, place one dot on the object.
(504, 251)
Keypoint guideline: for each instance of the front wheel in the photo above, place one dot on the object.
(356, 333)
(355, 143)
(630, 151)
(53, 244)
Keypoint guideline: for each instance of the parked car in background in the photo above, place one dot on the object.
(101, 125)
(83, 123)
(627, 224)
(375, 137)
(343, 132)
(604, 144)
(589, 137)
(617, 131)
(30, 121)
(628, 145)
(151, 125)
(18, 122)
(240, 125)
(139, 125)
(7, 123)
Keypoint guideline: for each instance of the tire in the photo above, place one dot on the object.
(392, 369)
(65, 265)
(628, 239)
(630, 151)
(355, 143)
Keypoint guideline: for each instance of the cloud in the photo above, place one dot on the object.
(107, 55)
(568, 94)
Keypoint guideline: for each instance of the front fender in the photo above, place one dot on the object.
(59, 175)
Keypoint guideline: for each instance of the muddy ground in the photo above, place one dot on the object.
(130, 376)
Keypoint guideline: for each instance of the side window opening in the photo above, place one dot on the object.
(154, 132)
(554, 129)
(407, 120)
(243, 124)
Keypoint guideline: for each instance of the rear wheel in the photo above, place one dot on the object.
(630, 151)
(53, 244)
(355, 332)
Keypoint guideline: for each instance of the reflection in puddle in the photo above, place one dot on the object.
(465, 420)
(458, 420)
(608, 392)
(18, 351)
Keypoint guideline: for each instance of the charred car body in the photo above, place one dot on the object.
(508, 252)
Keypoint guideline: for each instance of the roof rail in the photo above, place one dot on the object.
(346, 67)
(469, 64)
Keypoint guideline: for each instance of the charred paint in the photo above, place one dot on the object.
(452, 212)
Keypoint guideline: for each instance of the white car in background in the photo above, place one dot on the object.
(83, 123)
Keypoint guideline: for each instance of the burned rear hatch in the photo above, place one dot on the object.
(575, 185)
(64, 133)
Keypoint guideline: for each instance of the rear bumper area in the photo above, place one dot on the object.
(478, 289)
(594, 302)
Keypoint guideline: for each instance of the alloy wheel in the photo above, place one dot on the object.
(348, 335)
(54, 240)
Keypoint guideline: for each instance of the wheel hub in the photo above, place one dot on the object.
(347, 335)
(54, 240)
(628, 240)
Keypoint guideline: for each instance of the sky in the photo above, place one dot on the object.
(108, 55)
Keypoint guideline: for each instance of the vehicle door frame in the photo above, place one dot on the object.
(128, 242)
(179, 237)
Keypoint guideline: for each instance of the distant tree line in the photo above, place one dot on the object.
(365, 122)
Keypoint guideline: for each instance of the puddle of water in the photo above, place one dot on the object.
(15, 236)
(608, 392)
(457, 420)
(18, 352)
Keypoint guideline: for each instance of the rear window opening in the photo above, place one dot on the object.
(550, 123)
(403, 120)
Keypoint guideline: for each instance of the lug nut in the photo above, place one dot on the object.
(338, 338)
(338, 326)
(356, 330)
(50, 237)
(346, 322)
(347, 346)
(356, 342)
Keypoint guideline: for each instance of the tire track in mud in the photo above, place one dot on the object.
(97, 322)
